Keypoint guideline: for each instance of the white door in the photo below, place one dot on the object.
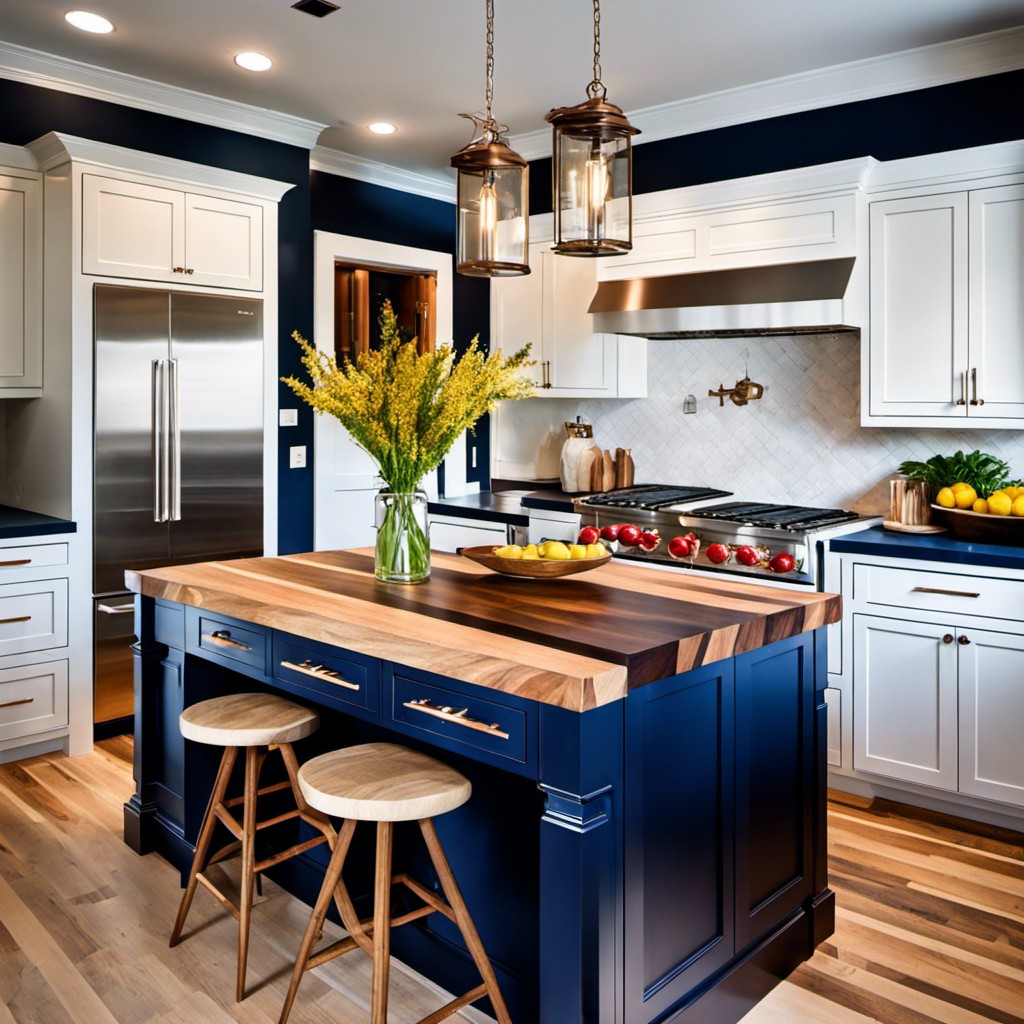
(996, 346)
(132, 230)
(517, 315)
(223, 243)
(992, 715)
(905, 700)
(21, 334)
(918, 339)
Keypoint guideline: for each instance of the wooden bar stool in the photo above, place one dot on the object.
(257, 723)
(386, 783)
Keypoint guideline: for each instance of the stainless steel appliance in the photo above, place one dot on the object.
(178, 454)
(770, 529)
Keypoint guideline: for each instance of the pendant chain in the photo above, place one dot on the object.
(490, 57)
(597, 41)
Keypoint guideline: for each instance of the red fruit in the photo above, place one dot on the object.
(589, 535)
(649, 541)
(610, 532)
(782, 562)
(679, 547)
(746, 555)
(718, 553)
(629, 535)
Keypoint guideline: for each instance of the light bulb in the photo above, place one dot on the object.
(596, 185)
(488, 217)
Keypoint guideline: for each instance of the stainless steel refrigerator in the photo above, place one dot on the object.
(178, 454)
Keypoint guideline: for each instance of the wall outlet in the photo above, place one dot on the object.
(297, 457)
(288, 418)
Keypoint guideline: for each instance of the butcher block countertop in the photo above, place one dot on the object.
(577, 642)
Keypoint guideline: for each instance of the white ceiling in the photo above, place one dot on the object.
(419, 63)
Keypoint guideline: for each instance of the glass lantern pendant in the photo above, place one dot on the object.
(592, 173)
(493, 193)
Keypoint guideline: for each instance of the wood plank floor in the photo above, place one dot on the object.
(930, 924)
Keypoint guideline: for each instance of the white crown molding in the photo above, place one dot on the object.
(17, 157)
(957, 165)
(56, 149)
(333, 161)
(892, 73)
(53, 72)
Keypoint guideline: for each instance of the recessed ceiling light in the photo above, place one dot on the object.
(383, 128)
(252, 61)
(89, 22)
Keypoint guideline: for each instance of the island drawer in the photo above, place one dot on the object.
(33, 616)
(348, 681)
(231, 641)
(33, 699)
(958, 593)
(463, 718)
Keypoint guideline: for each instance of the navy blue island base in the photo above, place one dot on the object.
(659, 857)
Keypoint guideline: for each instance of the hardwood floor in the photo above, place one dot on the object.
(930, 926)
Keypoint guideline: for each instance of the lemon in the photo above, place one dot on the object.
(946, 498)
(509, 551)
(959, 486)
(578, 551)
(965, 496)
(980, 505)
(1014, 492)
(1000, 504)
(596, 551)
(1017, 508)
(556, 549)
(530, 551)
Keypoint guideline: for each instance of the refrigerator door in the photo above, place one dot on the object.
(216, 414)
(131, 326)
(113, 634)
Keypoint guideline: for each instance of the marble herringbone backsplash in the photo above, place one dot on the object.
(802, 442)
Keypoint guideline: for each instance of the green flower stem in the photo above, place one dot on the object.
(403, 548)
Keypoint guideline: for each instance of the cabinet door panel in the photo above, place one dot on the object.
(517, 313)
(21, 338)
(577, 355)
(918, 340)
(991, 715)
(132, 230)
(223, 243)
(905, 686)
(997, 301)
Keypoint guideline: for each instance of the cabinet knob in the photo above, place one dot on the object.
(189, 270)
(177, 270)
(963, 641)
(948, 638)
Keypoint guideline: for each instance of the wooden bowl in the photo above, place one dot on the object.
(532, 568)
(980, 527)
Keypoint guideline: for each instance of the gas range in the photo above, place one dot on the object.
(769, 529)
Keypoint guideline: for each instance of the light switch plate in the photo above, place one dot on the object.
(288, 418)
(297, 457)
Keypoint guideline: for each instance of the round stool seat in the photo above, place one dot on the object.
(247, 720)
(381, 782)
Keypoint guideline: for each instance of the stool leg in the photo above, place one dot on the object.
(463, 920)
(382, 924)
(253, 760)
(220, 785)
(316, 918)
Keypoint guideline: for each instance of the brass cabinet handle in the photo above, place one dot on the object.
(177, 270)
(16, 703)
(319, 672)
(948, 638)
(975, 400)
(962, 400)
(15, 618)
(948, 593)
(190, 270)
(963, 641)
(16, 561)
(223, 638)
(455, 715)
(546, 367)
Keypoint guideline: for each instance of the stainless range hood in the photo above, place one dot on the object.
(789, 298)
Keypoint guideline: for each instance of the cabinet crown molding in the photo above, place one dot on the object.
(962, 166)
(56, 149)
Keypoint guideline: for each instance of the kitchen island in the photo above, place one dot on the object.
(646, 836)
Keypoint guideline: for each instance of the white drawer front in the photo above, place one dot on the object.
(33, 616)
(16, 557)
(33, 699)
(938, 591)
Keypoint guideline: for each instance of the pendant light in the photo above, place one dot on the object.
(592, 173)
(493, 193)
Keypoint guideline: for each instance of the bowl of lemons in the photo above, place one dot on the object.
(549, 560)
(996, 518)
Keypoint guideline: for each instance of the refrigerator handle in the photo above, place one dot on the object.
(159, 443)
(174, 443)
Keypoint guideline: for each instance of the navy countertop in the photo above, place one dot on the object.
(502, 506)
(16, 522)
(929, 547)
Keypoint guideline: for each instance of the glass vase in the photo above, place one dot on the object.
(402, 552)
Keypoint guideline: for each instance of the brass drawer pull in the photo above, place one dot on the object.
(948, 593)
(16, 703)
(455, 715)
(307, 668)
(223, 638)
(16, 561)
(15, 618)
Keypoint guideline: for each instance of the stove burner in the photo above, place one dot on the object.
(774, 517)
(653, 497)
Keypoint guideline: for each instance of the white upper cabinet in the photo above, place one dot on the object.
(21, 299)
(152, 233)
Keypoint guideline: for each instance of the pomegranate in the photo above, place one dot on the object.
(629, 535)
(679, 547)
(649, 541)
(589, 535)
(718, 553)
(746, 555)
(782, 562)
(611, 532)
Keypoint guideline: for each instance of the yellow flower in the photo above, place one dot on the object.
(405, 408)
